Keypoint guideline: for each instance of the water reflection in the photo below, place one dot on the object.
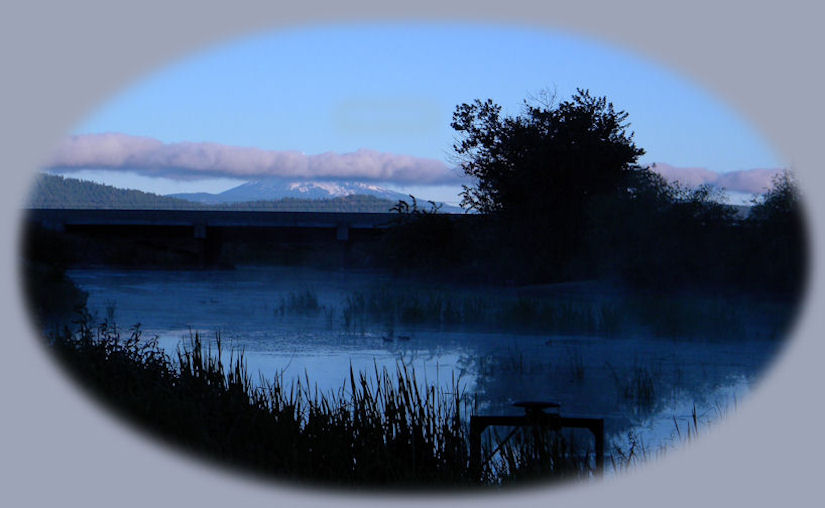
(294, 324)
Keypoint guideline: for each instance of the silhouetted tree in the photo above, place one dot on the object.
(538, 171)
(624, 233)
(780, 205)
(562, 154)
(778, 254)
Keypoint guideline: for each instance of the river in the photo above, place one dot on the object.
(317, 324)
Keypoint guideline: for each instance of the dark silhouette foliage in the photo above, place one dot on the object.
(779, 207)
(562, 197)
(423, 239)
(538, 172)
(379, 430)
(549, 158)
(52, 296)
(776, 228)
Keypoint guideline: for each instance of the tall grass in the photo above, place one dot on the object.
(382, 429)
(445, 309)
(575, 365)
(299, 302)
(637, 386)
(670, 316)
(531, 454)
(686, 429)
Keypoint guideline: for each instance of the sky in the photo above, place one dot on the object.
(374, 102)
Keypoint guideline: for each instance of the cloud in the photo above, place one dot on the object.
(751, 181)
(188, 160)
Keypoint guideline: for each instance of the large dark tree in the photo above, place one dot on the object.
(539, 170)
(779, 254)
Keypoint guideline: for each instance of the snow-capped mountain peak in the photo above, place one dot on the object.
(277, 188)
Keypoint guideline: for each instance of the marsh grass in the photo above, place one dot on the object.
(637, 386)
(667, 316)
(624, 458)
(531, 454)
(670, 316)
(512, 363)
(575, 364)
(302, 303)
(381, 429)
(686, 429)
(690, 429)
(447, 309)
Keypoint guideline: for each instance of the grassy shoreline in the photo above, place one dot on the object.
(380, 430)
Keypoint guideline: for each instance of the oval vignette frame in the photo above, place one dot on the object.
(125, 445)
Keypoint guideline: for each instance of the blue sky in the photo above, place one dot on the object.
(391, 89)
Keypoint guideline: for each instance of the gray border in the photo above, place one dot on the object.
(60, 59)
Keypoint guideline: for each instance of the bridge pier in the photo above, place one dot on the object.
(342, 232)
(52, 225)
(210, 243)
(200, 231)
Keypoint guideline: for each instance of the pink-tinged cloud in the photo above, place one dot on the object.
(751, 181)
(184, 161)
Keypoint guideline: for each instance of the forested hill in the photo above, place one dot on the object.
(53, 191)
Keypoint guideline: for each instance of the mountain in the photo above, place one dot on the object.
(52, 191)
(278, 188)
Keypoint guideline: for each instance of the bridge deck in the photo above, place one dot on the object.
(209, 218)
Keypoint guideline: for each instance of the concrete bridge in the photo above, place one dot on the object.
(205, 233)
(202, 220)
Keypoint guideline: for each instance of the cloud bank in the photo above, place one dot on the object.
(186, 161)
(750, 181)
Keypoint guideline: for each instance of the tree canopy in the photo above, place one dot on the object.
(550, 157)
(538, 171)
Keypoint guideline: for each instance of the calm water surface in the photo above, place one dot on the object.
(637, 382)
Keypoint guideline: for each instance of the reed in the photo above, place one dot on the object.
(575, 365)
(637, 386)
(536, 454)
(303, 303)
(661, 315)
(686, 429)
(381, 429)
(457, 309)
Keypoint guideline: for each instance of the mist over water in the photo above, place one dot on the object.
(292, 323)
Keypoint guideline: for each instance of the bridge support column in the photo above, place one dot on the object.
(209, 245)
(53, 226)
(342, 236)
(342, 232)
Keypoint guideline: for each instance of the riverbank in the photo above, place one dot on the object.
(380, 430)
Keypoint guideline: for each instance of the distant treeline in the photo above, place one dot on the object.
(660, 237)
(53, 191)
